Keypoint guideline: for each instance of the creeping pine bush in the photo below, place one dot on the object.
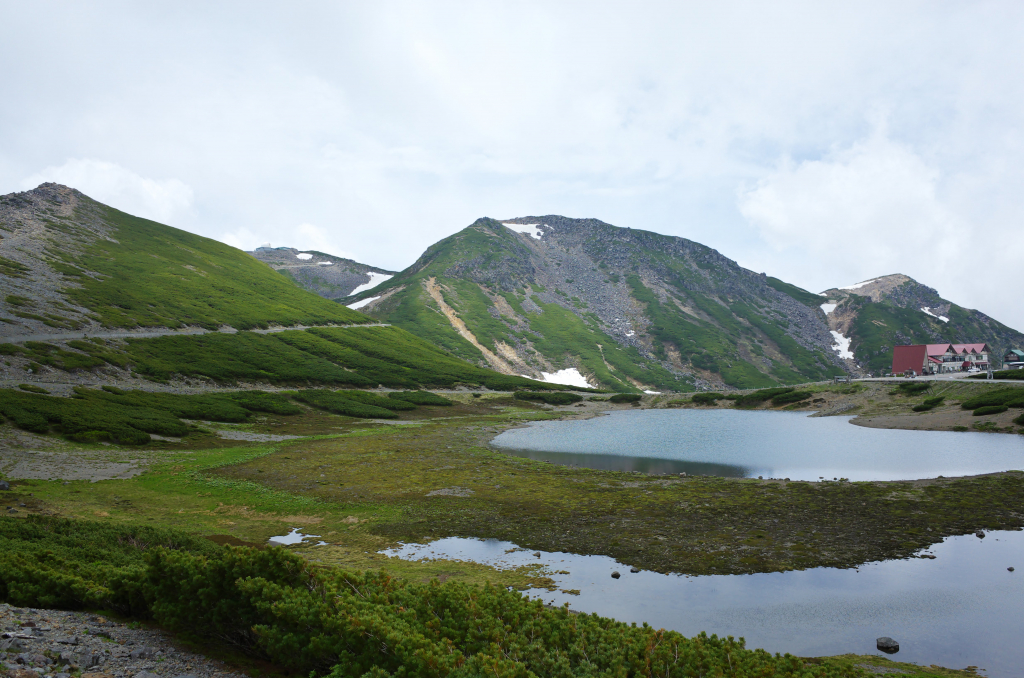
(757, 397)
(1019, 421)
(791, 397)
(336, 402)
(549, 398)
(929, 403)
(1011, 397)
(989, 409)
(625, 398)
(1008, 374)
(706, 398)
(323, 621)
(422, 398)
(913, 388)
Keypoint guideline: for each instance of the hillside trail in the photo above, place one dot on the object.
(65, 336)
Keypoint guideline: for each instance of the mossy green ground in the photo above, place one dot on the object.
(363, 487)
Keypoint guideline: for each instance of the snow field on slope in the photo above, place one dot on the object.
(375, 279)
(567, 377)
(528, 229)
(842, 346)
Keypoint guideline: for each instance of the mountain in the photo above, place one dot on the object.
(880, 313)
(93, 294)
(71, 263)
(627, 309)
(329, 276)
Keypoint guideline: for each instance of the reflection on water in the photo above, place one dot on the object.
(649, 465)
(759, 443)
(964, 608)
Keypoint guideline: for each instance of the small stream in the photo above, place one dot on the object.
(964, 608)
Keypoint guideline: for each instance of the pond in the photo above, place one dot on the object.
(739, 443)
(964, 608)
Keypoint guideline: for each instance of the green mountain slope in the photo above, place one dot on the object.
(87, 266)
(89, 289)
(896, 309)
(628, 309)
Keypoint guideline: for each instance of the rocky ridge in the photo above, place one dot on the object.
(325, 274)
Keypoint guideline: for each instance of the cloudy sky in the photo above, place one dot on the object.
(823, 143)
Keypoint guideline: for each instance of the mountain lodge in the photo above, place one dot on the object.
(924, 359)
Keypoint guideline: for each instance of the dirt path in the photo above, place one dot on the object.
(65, 336)
(493, 360)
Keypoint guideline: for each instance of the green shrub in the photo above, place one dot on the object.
(32, 389)
(377, 400)
(1011, 397)
(549, 398)
(336, 403)
(758, 397)
(990, 409)
(1017, 375)
(792, 397)
(324, 621)
(1019, 421)
(260, 401)
(625, 398)
(929, 403)
(960, 429)
(423, 398)
(706, 398)
(913, 388)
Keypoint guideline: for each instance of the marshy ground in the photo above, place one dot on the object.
(363, 486)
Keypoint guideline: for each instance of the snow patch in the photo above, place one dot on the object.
(860, 284)
(630, 333)
(828, 308)
(653, 392)
(325, 263)
(304, 256)
(375, 279)
(927, 309)
(362, 302)
(842, 346)
(528, 229)
(566, 377)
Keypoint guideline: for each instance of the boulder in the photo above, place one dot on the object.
(146, 674)
(143, 653)
(4, 486)
(979, 534)
(887, 645)
(634, 570)
(615, 575)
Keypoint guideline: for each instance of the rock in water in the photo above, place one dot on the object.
(979, 534)
(1009, 569)
(615, 575)
(634, 570)
(887, 645)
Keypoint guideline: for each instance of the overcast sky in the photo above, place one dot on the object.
(823, 143)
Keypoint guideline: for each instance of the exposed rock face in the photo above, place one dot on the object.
(327, 275)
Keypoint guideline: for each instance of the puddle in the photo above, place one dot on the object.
(964, 608)
(294, 536)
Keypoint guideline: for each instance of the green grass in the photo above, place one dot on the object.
(803, 296)
(152, 275)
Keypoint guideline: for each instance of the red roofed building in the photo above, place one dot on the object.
(938, 358)
(910, 359)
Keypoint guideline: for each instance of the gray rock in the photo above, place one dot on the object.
(146, 674)
(4, 486)
(93, 631)
(887, 645)
(1009, 569)
(634, 570)
(615, 575)
(186, 675)
(143, 653)
(67, 640)
(979, 534)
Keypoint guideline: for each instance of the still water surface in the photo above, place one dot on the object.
(739, 443)
(962, 609)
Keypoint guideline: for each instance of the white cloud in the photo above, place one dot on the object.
(876, 198)
(159, 200)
